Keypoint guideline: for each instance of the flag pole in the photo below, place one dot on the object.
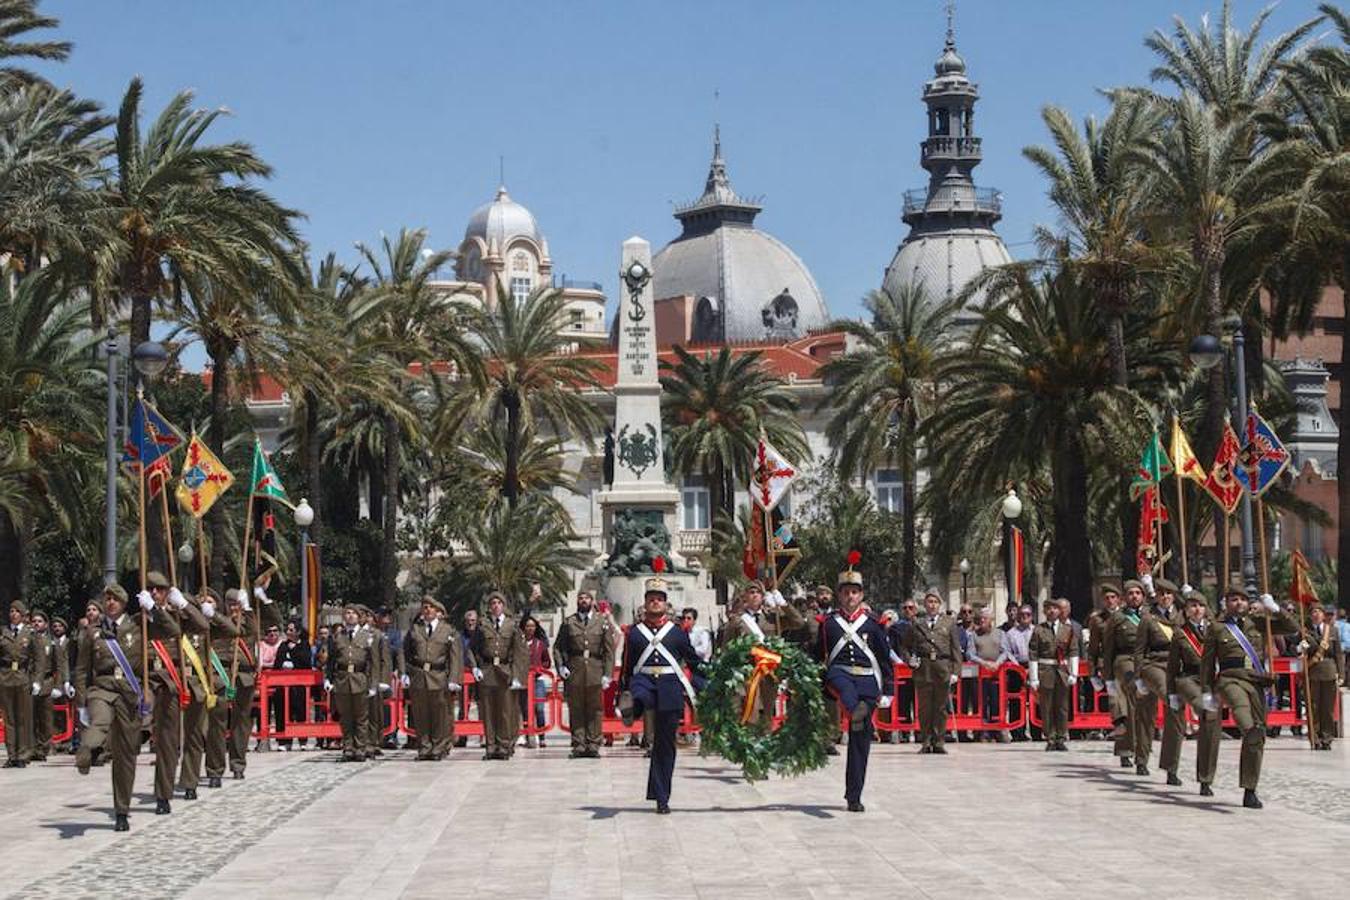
(168, 531)
(201, 555)
(1223, 578)
(1181, 525)
(243, 581)
(144, 562)
(1265, 573)
(1303, 632)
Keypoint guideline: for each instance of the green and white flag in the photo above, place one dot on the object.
(265, 480)
(1153, 467)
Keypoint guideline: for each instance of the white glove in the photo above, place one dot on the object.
(775, 598)
(914, 662)
(453, 687)
(1034, 673)
(1186, 591)
(261, 594)
(1209, 703)
(1147, 581)
(327, 686)
(56, 693)
(405, 681)
(70, 690)
(1174, 701)
(1111, 688)
(1073, 679)
(1140, 687)
(384, 688)
(146, 601)
(370, 693)
(884, 701)
(953, 679)
(516, 685)
(1034, 683)
(288, 665)
(37, 689)
(605, 682)
(477, 674)
(1097, 683)
(208, 609)
(243, 602)
(564, 673)
(1303, 647)
(176, 598)
(83, 714)
(1073, 670)
(1269, 603)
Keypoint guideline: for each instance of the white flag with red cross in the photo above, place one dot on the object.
(771, 477)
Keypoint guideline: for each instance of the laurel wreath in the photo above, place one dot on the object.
(798, 745)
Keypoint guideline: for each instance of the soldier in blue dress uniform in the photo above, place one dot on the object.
(854, 649)
(653, 678)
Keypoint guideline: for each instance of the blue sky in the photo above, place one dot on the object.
(378, 115)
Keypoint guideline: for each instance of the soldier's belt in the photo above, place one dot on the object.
(1158, 656)
(433, 667)
(496, 660)
(657, 670)
(1050, 662)
(14, 667)
(855, 670)
(1226, 664)
(353, 668)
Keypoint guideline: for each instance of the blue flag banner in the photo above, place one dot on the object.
(150, 438)
(1262, 457)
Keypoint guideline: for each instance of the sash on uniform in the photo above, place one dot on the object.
(850, 635)
(247, 655)
(654, 645)
(1193, 641)
(191, 653)
(127, 671)
(1166, 629)
(184, 695)
(224, 676)
(749, 622)
(1246, 647)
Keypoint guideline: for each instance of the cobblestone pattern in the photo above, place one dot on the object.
(164, 856)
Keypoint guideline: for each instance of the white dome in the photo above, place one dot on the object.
(502, 220)
(943, 262)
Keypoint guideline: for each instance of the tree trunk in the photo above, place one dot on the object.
(12, 561)
(140, 319)
(1343, 458)
(313, 463)
(719, 498)
(511, 477)
(215, 439)
(1072, 550)
(1129, 513)
(909, 486)
(389, 551)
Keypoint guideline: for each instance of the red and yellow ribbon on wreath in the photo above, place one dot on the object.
(765, 661)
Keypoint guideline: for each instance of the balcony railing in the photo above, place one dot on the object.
(953, 147)
(565, 282)
(987, 200)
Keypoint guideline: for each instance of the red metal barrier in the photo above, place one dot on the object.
(63, 710)
(310, 726)
(895, 718)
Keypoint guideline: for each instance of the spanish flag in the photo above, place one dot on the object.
(1184, 463)
(1301, 588)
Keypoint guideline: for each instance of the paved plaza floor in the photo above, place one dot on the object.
(998, 820)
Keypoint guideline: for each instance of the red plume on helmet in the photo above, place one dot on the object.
(659, 564)
(854, 557)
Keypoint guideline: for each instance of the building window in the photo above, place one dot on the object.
(890, 491)
(695, 505)
(520, 289)
(520, 263)
(578, 319)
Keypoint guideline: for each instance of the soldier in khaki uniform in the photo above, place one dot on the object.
(1053, 672)
(20, 682)
(1326, 670)
(433, 667)
(1183, 689)
(168, 685)
(1232, 669)
(499, 648)
(109, 680)
(352, 668)
(760, 615)
(197, 634)
(1096, 628)
(933, 649)
(234, 658)
(1152, 648)
(585, 651)
(53, 676)
(382, 677)
(1118, 641)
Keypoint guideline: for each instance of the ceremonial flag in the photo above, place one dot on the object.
(265, 482)
(1153, 467)
(265, 541)
(1016, 559)
(1183, 457)
(1152, 515)
(772, 476)
(1263, 457)
(203, 480)
(1301, 588)
(756, 554)
(1221, 483)
(150, 438)
(313, 594)
(156, 476)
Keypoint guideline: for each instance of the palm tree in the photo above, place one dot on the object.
(715, 407)
(50, 418)
(535, 380)
(411, 322)
(1037, 383)
(179, 207)
(879, 393)
(17, 19)
(514, 548)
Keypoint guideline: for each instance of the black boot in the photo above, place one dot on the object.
(1141, 769)
(1249, 800)
(121, 824)
(1126, 762)
(190, 794)
(162, 808)
(1206, 790)
(213, 781)
(1173, 780)
(662, 808)
(856, 806)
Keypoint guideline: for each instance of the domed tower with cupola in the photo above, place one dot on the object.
(951, 222)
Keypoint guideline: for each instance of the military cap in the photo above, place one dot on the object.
(435, 604)
(1237, 590)
(498, 595)
(1050, 601)
(849, 576)
(1329, 609)
(116, 590)
(1163, 584)
(1135, 584)
(825, 589)
(1107, 587)
(157, 580)
(931, 592)
(212, 594)
(96, 603)
(234, 595)
(753, 584)
(19, 605)
(352, 605)
(656, 586)
(1195, 597)
(64, 623)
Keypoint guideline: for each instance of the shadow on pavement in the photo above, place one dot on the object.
(1137, 787)
(813, 810)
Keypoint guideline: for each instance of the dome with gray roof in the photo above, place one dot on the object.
(747, 284)
(501, 220)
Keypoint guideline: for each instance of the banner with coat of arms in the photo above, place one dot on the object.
(204, 478)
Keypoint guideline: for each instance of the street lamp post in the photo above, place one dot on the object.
(1011, 509)
(110, 461)
(149, 358)
(1207, 351)
(304, 517)
(965, 579)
